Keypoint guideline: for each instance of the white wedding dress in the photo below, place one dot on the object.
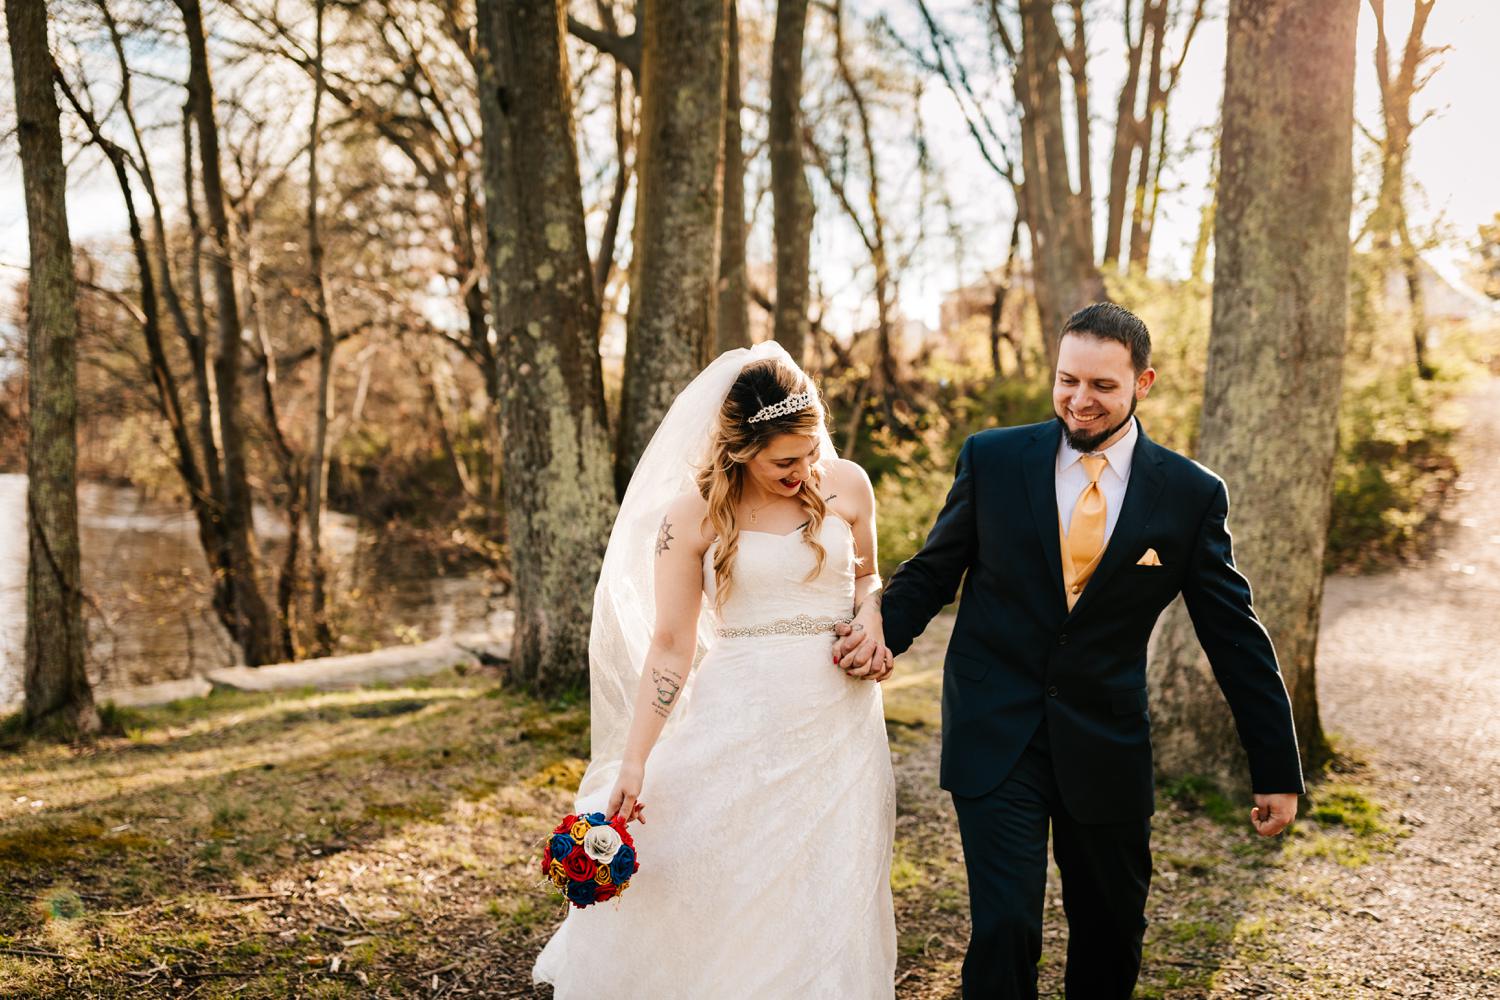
(770, 815)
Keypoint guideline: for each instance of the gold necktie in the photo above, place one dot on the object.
(1085, 538)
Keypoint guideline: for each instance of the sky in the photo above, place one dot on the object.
(1455, 157)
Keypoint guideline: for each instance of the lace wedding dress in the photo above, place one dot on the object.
(765, 857)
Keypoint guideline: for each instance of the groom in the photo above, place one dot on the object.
(1070, 538)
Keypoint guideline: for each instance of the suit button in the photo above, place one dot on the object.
(1052, 691)
(1062, 640)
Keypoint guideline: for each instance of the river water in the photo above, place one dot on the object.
(146, 581)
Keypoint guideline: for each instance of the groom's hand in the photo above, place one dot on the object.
(861, 651)
(1273, 812)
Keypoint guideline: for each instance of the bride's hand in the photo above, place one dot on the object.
(860, 640)
(624, 799)
(861, 652)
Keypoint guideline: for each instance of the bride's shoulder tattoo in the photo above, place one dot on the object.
(664, 536)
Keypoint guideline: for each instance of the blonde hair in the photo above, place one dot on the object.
(736, 441)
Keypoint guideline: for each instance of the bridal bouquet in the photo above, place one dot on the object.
(589, 859)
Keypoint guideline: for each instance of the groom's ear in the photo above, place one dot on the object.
(1143, 383)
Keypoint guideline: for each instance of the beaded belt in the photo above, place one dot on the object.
(800, 625)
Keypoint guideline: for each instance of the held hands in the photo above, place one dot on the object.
(624, 799)
(1273, 812)
(861, 651)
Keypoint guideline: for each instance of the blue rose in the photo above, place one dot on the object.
(595, 819)
(582, 893)
(562, 845)
(623, 866)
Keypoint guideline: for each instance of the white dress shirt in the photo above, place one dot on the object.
(1072, 477)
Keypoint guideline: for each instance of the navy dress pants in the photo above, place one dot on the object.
(1106, 872)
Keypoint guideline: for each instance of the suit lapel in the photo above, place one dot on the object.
(1141, 494)
(1039, 465)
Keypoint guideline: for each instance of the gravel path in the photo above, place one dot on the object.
(1409, 681)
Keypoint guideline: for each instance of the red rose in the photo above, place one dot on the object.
(546, 861)
(605, 892)
(619, 827)
(566, 824)
(579, 866)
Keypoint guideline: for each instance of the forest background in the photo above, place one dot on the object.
(376, 303)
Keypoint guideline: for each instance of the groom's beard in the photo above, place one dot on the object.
(1089, 442)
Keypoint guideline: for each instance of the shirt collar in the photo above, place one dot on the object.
(1119, 454)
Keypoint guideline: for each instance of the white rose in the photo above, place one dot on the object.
(601, 843)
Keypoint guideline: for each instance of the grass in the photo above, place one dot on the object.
(316, 844)
(359, 843)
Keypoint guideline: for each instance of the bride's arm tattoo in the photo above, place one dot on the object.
(668, 685)
(871, 599)
(664, 536)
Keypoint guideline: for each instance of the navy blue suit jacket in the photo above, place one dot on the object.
(1018, 654)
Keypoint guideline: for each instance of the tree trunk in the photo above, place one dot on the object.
(1204, 239)
(1411, 268)
(559, 498)
(317, 466)
(1126, 128)
(1140, 239)
(673, 293)
(254, 631)
(734, 296)
(1390, 232)
(1061, 244)
(998, 331)
(59, 700)
(792, 207)
(604, 264)
(1271, 394)
(1077, 55)
(203, 494)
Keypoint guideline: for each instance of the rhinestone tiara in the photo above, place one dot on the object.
(791, 404)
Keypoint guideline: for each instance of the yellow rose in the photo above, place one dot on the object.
(602, 875)
(579, 830)
(558, 875)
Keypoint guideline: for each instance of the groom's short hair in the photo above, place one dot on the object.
(1107, 321)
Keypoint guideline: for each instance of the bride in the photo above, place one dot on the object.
(765, 859)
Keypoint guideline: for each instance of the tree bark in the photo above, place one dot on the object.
(1276, 349)
(58, 699)
(1061, 244)
(673, 293)
(792, 207)
(734, 296)
(559, 497)
(254, 631)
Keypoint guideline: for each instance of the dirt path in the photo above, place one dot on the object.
(1409, 680)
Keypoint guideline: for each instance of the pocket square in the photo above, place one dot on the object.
(1149, 559)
